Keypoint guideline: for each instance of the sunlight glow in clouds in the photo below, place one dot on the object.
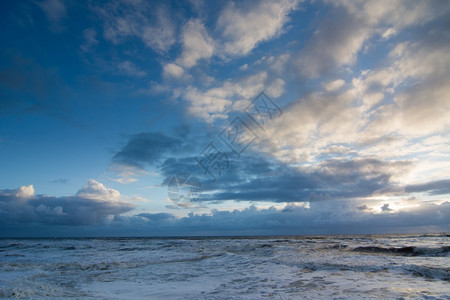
(130, 93)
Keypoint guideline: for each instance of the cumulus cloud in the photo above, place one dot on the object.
(24, 191)
(97, 191)
(91, 205)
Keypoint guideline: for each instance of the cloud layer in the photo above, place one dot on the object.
(91, 205)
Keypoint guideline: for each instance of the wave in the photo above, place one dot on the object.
(405, 251)
(429, 272)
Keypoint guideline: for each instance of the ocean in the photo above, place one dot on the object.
(279, 267)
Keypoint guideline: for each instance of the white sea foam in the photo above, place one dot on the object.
(398, 266)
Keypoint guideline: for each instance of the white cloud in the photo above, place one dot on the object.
(208, 105)
(333, 85)
(276, 88)
(162, 35)
(141, 19)
(172, 70)
(399, 14)
(97, 191)
(232, 95)
(243, 28)
(123, 180)
(340, 38)
(127, 172)
(25, 191)
(418, 79)
(197, 44)
(336, 43)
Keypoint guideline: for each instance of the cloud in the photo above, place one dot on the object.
(141, 149)
(317, 218)
(439, 187)
(158, 217)
(386, 112)
(162, 35)
(91, 205)
(358, 137)
(239, 30)
(243, 28)
(333, 85)
(22, 192)
(127, 173)
(341, 37)
(55, 11)
(335, 43)
(425, 106)
(172, 70)
(90, 39)
(231, 95)
(97, 191)
(256, 177)
(129, 68)
(385, 208)
(138, 19)
(60, 180)
(197, 44)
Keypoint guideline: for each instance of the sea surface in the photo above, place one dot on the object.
(282, 267)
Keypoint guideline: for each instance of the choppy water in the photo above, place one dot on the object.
(386, 266)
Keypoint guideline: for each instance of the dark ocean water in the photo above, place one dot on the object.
(282, 267)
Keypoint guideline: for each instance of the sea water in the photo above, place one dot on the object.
(282, 267)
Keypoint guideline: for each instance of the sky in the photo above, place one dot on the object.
(184, 118)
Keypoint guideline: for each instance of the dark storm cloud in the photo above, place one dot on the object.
(439, 187)
(146, 148)
(341, 217)
(255, 178)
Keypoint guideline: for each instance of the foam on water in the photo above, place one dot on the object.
(414, 266)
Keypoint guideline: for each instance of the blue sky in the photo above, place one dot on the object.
(103, 104)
